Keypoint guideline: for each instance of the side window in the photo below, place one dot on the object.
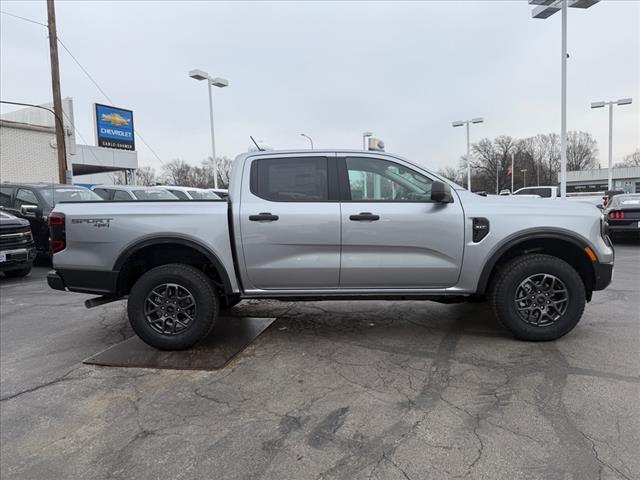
(181, 195)
(102, 193)
(371, 179)
(291, 179)
(25, 197)
(121, 196)
(5, 197)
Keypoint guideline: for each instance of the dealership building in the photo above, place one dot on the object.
(596, 180)
(28, 150)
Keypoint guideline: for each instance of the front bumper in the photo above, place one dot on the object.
(17, 258)
(603, 273)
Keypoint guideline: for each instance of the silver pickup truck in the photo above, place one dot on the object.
(319, 225)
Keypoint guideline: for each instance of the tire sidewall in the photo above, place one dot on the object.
(196, 283)
(513, 277)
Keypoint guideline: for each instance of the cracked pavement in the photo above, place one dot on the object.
(349, 390)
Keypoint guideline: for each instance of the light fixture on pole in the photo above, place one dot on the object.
(308, 138)
(622, 101)
(365, 135)
(544, 9)
(220, 83)
(460, 123)
(524, 177)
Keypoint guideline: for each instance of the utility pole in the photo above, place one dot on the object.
(57, 97)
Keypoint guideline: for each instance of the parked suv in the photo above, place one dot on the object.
(34, 202)
(17, 250)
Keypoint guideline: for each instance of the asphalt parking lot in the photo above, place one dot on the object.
(353, 390)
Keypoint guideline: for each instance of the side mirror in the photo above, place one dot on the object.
(32, 211)
(441, 192)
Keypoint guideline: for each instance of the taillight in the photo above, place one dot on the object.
(616, 215)
(57, 232)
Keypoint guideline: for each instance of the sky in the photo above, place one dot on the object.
(331, 70)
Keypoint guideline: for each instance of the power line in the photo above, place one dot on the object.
(84, 70)
(23, 18)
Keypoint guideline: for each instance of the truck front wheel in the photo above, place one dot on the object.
(538, 297)
(173, 306)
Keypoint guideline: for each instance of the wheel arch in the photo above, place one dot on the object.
(140, 247)
(560, 243)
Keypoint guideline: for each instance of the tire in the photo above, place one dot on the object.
(22, 272)
(172, 307)
(527, 297)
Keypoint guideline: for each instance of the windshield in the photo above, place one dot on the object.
(203, 195)
(153, 195)
(55, 195)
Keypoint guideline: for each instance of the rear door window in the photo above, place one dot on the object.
(121, 196)
(5, 197)
(181, 195)
(291, 179)
(25, 197)
(103, 193)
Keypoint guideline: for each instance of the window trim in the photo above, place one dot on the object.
(345, 186)
(333, 195)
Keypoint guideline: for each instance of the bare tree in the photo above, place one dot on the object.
(582, 151)
(631, 160)
(119, 178)
(453, 174)
(146, 176)
(178, 172)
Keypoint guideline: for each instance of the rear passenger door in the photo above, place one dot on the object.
(290, 222)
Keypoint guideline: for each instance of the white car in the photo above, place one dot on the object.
(221, 192)
(128, 193)
(190, 193)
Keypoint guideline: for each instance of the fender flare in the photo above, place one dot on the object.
(523, 236)
(136, 246)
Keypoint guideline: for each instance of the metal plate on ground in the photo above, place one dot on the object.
(229, 337)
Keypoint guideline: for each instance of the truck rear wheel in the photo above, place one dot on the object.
(538, 297)
(172, 307)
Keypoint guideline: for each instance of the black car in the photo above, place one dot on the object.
(623, 214)
(17, 250)
(34, 202)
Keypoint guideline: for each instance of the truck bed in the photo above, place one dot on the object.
(100, 234)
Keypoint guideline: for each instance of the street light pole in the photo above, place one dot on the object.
(544, 9)
(563, 102)
(216, 82)
(610, 169)
(513, 172)
(460, 123)
(213, 137)
(468, 160)
(622, 101)
(308, 138)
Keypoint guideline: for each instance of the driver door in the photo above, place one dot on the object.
(393, 235)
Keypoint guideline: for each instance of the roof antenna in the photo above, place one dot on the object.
(256, 144)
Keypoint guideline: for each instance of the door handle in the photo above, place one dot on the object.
(263, 217)
(364, 216)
